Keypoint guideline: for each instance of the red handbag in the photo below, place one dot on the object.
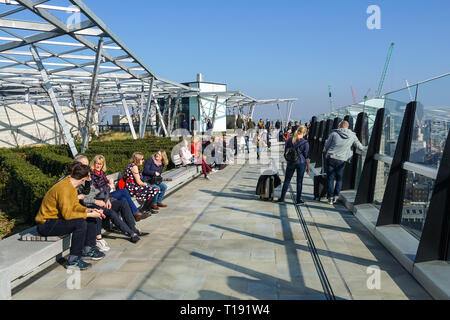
(121, 184)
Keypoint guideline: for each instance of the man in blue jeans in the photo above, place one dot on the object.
(338, 151)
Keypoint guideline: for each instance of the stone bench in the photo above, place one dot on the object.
(19, 259)
(24, 254)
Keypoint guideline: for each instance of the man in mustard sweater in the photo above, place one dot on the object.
(61, 214)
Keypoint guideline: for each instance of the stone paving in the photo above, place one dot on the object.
(217, 240)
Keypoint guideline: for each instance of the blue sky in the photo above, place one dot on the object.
(285, 48)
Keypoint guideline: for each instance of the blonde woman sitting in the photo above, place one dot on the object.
(143, 191)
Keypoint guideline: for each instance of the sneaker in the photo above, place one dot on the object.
(77, 265)
(102, 245)
(93, 255)
(134, 238)
(208, 178)
(335, 200)
(330, 201)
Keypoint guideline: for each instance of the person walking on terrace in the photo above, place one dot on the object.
(337, 152)
(301, 147)
(61, 214)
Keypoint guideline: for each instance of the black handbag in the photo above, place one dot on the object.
(157, 180)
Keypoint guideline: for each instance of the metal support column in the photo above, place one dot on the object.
(215, 111)
(392, 206)
(281, 116)
(290, 105)
(366, 188)
(161, 119)
(435, 241)
(127, 111)
(144, 121)
(326, 133)
(317, 153)
(92, 96)
(311, 132)
(174, 114)
(251, 111)
(48, 87)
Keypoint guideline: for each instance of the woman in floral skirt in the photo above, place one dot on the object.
(136, 187)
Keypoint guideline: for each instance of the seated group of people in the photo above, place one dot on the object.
(197, 154)
(84, 198)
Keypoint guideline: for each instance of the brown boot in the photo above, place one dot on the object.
(155, 207)
(141, 216)
(162, 205)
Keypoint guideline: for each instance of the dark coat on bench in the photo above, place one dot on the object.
(150, 168)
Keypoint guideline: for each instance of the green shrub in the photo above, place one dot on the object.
(25, 185)
(50, 163)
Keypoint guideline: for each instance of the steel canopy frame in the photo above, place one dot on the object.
(80, 70)
(69, 54)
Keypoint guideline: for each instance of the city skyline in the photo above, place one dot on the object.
(290, 49)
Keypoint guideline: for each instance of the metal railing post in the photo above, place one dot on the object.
(392, 205)
(366, 188)
(435, 241)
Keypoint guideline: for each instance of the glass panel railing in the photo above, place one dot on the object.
(416, 201)
(395, 105)
(432, 122)
(380, 183)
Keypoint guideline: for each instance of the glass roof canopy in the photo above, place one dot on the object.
(74, 49)
(82, 57)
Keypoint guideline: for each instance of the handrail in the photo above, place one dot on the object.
(412, 167)
(383, 158)
(421, 169)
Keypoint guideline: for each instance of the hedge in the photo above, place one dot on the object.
(49, 163)
(27, 173)
(24, 184)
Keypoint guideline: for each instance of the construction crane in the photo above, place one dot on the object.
(386, 66)
(353, 94)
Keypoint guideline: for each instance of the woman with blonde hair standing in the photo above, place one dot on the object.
(301, 163)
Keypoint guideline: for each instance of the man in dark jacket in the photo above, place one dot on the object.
(295, 127)
(278, 125)
(193, 125)
(239, 122)
(209, 125)
(184, 125)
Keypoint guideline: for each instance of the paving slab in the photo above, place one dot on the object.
(217, 240)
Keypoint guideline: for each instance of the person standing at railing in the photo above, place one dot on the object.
(301, 164)
(337, 152)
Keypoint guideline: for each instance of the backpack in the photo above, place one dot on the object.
(290, 154)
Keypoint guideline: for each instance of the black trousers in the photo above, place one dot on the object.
(83, 232)
(127, 225)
